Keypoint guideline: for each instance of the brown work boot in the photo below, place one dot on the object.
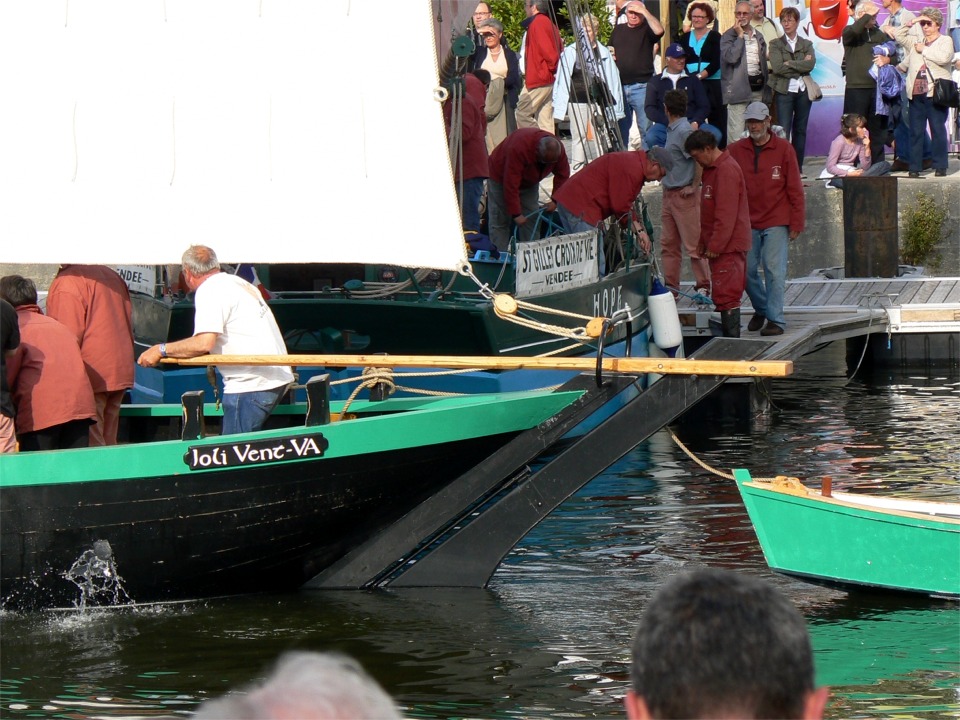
(771, 329)
(756, 322)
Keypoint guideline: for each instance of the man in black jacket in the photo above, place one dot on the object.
(860, 94)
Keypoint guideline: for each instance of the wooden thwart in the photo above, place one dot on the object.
(662, 366)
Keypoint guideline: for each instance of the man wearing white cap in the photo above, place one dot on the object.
(777, 215)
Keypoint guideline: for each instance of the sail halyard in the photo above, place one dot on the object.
(275, 132)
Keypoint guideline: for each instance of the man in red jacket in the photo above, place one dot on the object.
(724, 225)
(777, 215)
(517, 166)
(48, 381)
(607, 187)
(93, 302)
(541, 55)
(470, 163)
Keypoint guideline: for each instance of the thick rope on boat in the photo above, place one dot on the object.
(507, 308)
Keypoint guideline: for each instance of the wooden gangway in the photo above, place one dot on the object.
(819, 311)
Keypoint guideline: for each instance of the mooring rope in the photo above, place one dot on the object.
(779, 480)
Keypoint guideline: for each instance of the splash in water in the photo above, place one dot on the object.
(95, 575)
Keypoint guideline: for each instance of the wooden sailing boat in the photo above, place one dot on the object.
(143, 128)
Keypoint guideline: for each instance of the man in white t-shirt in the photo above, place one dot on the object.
(231, 319)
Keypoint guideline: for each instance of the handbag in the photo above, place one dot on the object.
(945, 93)
(813, 90)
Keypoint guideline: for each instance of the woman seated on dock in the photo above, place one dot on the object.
(849, 154)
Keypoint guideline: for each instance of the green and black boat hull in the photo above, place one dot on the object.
(239, 514)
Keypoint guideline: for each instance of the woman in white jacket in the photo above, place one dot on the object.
(577, 89)
(928, 60)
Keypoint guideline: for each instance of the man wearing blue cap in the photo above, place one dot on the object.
(674, 77)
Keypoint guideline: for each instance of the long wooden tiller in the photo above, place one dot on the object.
(633, 365)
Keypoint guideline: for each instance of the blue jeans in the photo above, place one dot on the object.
(247, 412)
(923, 111)
(769, 249)
(634, 97)
(793, 111)
(901, 133)
(472, 192)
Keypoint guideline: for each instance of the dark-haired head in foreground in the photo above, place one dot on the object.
(717, 644)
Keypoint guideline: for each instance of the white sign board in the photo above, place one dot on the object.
(556, 263)
(139, 278)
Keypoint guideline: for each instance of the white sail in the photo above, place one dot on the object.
(272, 130)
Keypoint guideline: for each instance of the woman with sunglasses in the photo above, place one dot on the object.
(504, 89)
(928, 60)
(703, 60)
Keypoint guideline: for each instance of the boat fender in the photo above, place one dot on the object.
(664, 319)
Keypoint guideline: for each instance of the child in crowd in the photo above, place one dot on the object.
(849, 154)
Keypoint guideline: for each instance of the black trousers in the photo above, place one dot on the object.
(66, 436)
(863, 101)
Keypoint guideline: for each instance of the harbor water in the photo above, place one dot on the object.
(550, 637)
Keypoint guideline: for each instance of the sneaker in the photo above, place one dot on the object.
(771, 329)
(756, 322)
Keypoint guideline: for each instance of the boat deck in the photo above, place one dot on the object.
(898, 310)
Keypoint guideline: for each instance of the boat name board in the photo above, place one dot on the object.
(556, 263)
(258, 452)
(139, 278)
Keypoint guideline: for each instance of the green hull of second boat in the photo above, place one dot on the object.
(840, 542)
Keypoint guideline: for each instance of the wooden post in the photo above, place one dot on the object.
(318, 400)
(194, 426)
(725, 16)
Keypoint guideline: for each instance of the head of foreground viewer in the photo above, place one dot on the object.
(717, 644)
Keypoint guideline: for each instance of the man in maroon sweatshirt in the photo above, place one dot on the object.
(517, 166)
(724, 225)
(777, 215)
